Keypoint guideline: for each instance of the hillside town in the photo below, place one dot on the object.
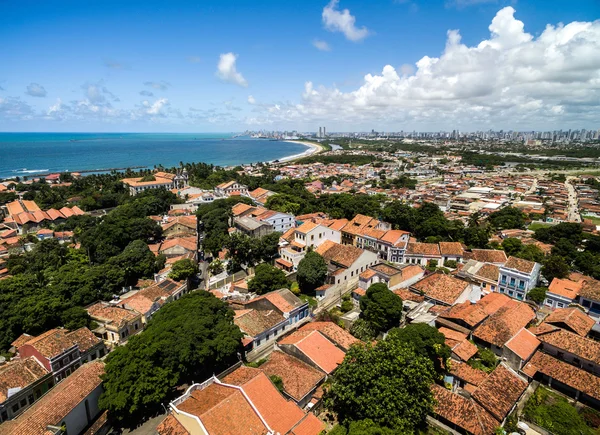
(297, 280)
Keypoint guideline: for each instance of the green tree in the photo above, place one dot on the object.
(537, 294)
(508, 218)
(531, 253)
(362, 427)
(426, 341)
(183, 269)
(381, 308)
(512, 246)
(555, 267)
(363, 330)
(187, 340)
(312, 271)
(267, 278)
(388, 383)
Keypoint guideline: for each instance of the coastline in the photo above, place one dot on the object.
(313, 148)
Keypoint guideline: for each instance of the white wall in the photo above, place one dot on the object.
(77, 420)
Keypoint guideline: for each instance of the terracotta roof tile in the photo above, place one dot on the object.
(386, 269)
(441, 287)
(407, 295)
(428, 249)
(571, 318)
(519, 264)
(452, 248)
(344, 255)
(504, 323)
(489, 272)
(171, 426)
(115, 315)
(500, 391)
(565, 373)
(582, 347)
(310, 425)
(19, 373)
(590, 289)
(317, 348)
(565, 288)
(298, 378)
(463, 412)
(333, 332)
(467, 373)
(253, 322)
(55, 405)
(487, 255)
(524, 344)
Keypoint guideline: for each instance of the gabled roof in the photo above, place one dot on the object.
(57, 403)
(500, 391)
(452, 248)
(462, 412)
(171, 426)
(441, 287)
(322, 352)
(298, 378)
(524, 344)
(519, 264)
(573, 319)
(333, 332)
(344, 255)
(254, 322)
(582, 347)
(19, 373)
(564, 373)
(487, 255)
(504, 323)
(467, 373)
(428, 249)
(565, 288)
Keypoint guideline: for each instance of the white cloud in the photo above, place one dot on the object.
(509, 80)
(13, 108)
(36, 90)
(321, 45)
(227, 71)
(341, 21)
(161, 86)
(156, 108)
(407, 69)
(251, 100)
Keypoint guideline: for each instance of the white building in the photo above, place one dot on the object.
(517, 277)
(309, 234)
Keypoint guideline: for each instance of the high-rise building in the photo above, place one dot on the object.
(324, 132)
(320, 131)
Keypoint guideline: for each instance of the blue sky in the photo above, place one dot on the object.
(347, 64)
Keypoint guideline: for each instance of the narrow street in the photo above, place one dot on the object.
(574, 215)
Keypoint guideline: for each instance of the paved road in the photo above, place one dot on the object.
(148, 428)
(573, 215)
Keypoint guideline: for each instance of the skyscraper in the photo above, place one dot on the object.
(324, 132)
(320, 131)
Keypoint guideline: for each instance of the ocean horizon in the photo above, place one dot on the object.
(28, 154)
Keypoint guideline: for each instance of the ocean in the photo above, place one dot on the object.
(26, 154)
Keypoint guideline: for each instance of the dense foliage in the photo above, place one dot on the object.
(508, 218)
(362, 427)
(183, 269)
(381, 308)
(267, 278)
(187, 340)
(555, 413)
(388, 383)
(312, 271)
(537, 294)
(426, 341)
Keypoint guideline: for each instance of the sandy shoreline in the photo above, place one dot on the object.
(313, 148)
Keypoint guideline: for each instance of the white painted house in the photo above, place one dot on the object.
(517, 277)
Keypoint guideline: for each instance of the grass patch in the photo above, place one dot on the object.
(537, 225)
(312, 302)
(553, 412)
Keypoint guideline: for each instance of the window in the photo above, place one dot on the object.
(23, 402)
(30, 399)
(560, 304)
(15, 407)
(4, 416)
(512, 281)
(38, 393)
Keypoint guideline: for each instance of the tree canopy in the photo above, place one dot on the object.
(388, 383)
(267, 278)
(183, 269)
(187, 340)
(508, 218)
(381, 308)
(426, 341)
(312, 271)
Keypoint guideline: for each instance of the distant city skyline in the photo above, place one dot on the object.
(468, 65)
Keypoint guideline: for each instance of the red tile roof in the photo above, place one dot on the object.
(425, 249)
(344, 255)
(55, 405)
(487, 255)
(317, 348)
(565, 373)
(333, 332)
(500, 391)
(19, 373)
(467, 373)
(571, 318)
(463, 412)
(441, 287)
(504, 323)
(565, 288)
(452, 248)
(582, 347)
(171, 426)
(524, 344)
(519, 264)
(298, 378)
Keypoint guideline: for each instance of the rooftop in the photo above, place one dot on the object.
(500, 391)
(519, 264)
(573, 319)
(322, 352)
(333, 332)
(573, 343)
(524, 344)
(344, 255)
(428, 249)
(19, 374)
(505, 323)
(441, 287)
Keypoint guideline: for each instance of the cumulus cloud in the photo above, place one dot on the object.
(341, 21)
(161, 86)
(227, 71)
(98, 94)
(36, 90)
(510, 79)
(251, 100)
(156, 108)
(13, 108)
(321, 45)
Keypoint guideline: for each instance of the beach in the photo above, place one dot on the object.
(313, 148)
